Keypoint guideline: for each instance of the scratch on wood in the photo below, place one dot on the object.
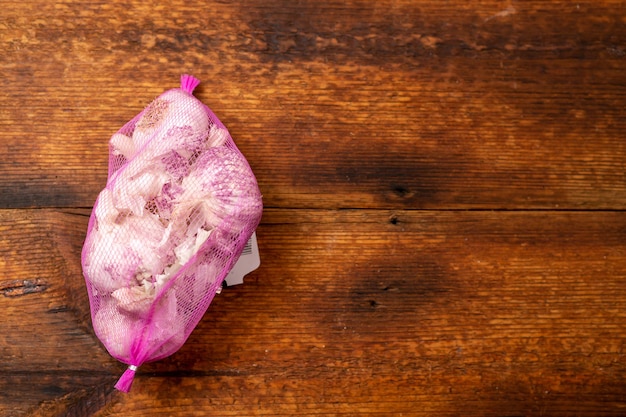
(18, 287)
(504, 13)
(59, 309)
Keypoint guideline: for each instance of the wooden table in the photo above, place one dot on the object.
(444, 186)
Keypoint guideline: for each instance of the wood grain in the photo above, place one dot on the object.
(379, 312)
(444, 185)
(360, 104)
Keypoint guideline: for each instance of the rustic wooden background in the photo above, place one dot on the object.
(444, 182)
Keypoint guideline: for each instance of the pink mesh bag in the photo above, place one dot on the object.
(179, 205)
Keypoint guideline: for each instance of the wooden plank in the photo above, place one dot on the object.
(42, 294)
(52, 393)
(352, 312)
(392, 104)
(51, 360)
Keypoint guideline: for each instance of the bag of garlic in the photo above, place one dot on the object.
(179, 205)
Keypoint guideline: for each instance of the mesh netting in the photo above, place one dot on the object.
(179, 205)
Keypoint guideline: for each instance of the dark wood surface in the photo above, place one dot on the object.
(444, 183)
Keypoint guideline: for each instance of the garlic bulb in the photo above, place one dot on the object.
(175, 109)
(221, 186)
(118, 339)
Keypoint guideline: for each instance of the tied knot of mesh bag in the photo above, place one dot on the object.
(179, 205)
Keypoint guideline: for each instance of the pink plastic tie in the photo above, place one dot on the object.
(188, 83)
(126, 380)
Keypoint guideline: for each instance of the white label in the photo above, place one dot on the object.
(248, 262)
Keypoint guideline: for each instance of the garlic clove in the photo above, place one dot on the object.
(132, 193)
(167, 332)
(135, 300)
(105, 210)
(217, 136)
(116, 330)
(123, 145)
(110, 263)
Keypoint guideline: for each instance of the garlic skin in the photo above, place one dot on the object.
(165, 333)
(190, 246)
(132, 192)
